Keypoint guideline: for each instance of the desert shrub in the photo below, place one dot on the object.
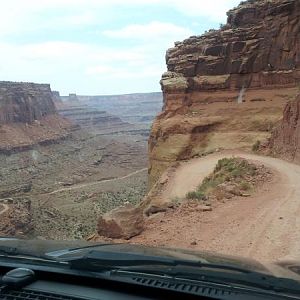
(195, 195)
(227, 169)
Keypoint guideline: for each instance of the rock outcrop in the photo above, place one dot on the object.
(28, 116)
(227, 88)
(285, 140)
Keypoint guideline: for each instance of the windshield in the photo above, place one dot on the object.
(168, 124)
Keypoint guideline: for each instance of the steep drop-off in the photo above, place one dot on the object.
(285, 140)
(227, 88)
(28, 116)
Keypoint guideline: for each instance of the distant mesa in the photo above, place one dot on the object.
(73, 98)
(113, 114)
(28, 116)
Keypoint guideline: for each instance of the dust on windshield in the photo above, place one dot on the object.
(156, 123)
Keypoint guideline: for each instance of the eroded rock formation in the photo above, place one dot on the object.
(227, 88)
(28, 116)
(285, 140)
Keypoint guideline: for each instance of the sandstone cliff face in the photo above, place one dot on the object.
(227, 88)
(28, 116)
(285, 140)
(25, 102)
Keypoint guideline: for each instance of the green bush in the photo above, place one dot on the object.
(195, 195)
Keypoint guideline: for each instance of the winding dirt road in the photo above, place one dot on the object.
(83, 185)
(265, 226)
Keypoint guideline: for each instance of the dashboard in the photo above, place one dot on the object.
(53, 283)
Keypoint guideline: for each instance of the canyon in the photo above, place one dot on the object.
(227, 88)
(63, 163)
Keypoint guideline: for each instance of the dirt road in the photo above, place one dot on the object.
(83, 185)
(265, 226)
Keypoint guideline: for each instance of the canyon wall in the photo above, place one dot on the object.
(28, 116)
(226, 89)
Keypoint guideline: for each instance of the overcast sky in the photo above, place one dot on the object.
(98, 46)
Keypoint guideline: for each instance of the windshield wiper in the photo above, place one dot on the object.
(13, 252)
(100, 261)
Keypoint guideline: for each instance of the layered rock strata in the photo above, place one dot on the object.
(227, 88)
(88, 117)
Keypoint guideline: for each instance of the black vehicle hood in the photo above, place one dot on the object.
(287, 269)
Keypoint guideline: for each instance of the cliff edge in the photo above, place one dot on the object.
(226, 89)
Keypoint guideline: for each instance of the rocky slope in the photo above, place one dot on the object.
(227, 88)
(28, 116)
(285, 140)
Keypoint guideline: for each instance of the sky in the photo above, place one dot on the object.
(95, 47)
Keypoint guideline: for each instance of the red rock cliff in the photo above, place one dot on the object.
(227, 88)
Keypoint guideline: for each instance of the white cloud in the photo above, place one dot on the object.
(92, 66)
(21, 15)
(83, 68)
(153, 30)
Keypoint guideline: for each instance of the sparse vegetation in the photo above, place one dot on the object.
(233, 171)
(196, 195)
(256, 146)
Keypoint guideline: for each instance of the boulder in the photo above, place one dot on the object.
(122, 222)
